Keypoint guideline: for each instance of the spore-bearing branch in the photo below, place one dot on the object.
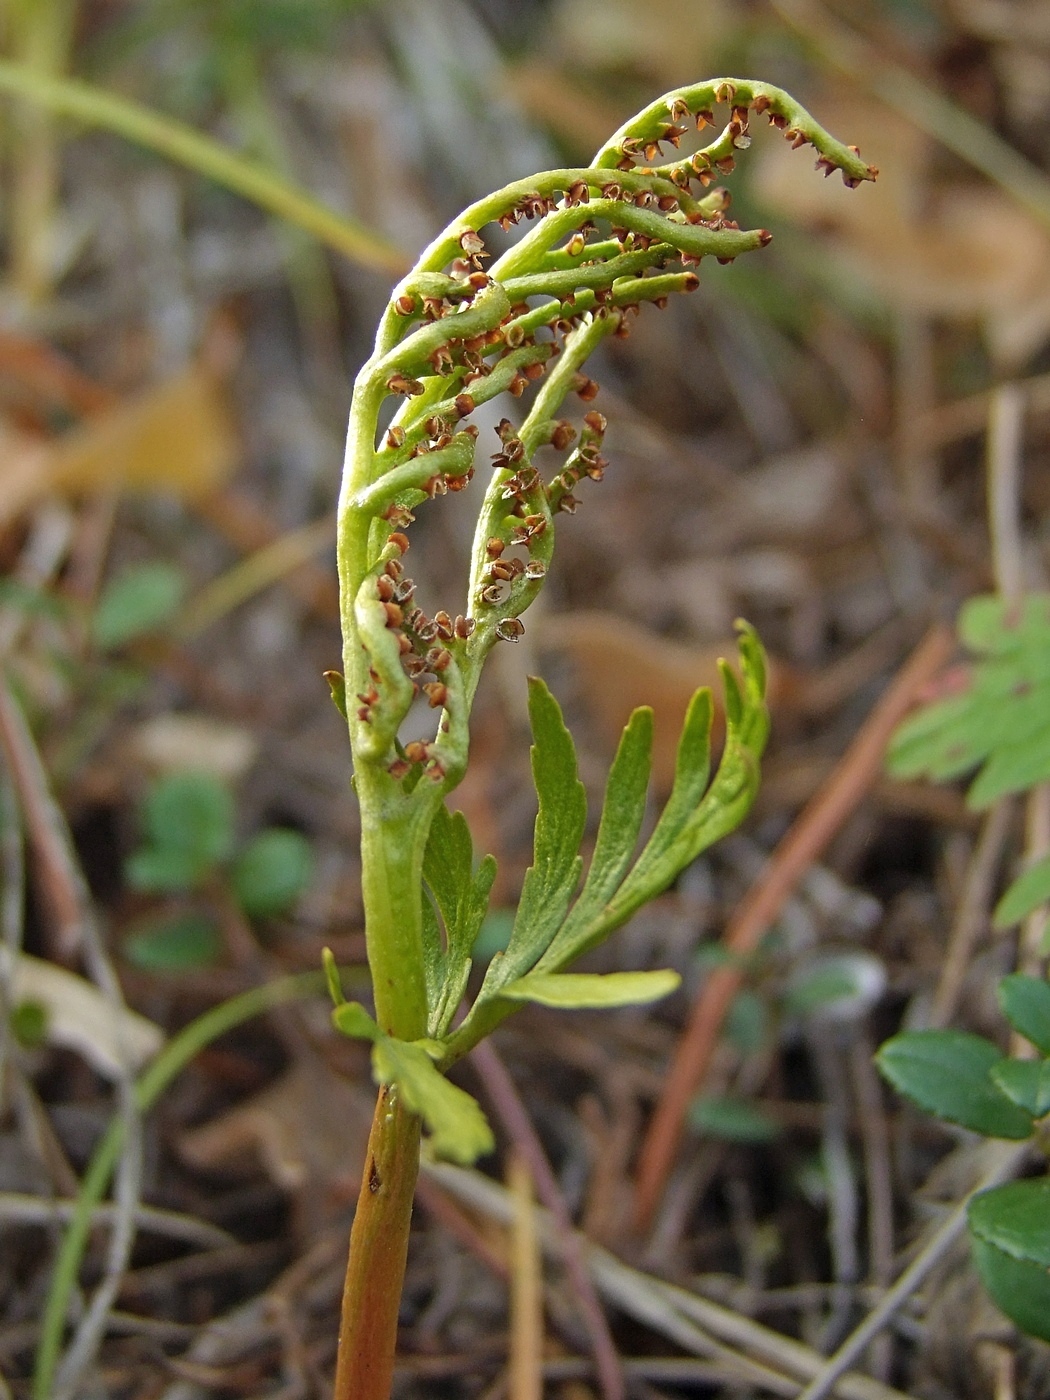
(605, 239)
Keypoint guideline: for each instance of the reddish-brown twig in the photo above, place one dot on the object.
(808, 837)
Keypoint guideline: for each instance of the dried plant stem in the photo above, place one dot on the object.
(1006, 1160)
(1005, 428)
(526, 1291)
(148, 1088)
(378, 1251)
(807, 838)
(515, 1119)
(971, 917)
(746, 1349)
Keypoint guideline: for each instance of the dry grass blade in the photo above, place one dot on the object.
(526, 1287)
(67, 893)
(515, 1118)
(755, 1354)
(1006, 1162)
(35, 1210)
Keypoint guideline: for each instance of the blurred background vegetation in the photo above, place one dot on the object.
(801, 442)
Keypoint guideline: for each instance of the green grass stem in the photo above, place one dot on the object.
(165, 135)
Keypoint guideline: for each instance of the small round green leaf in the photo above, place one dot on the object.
(1026, 1082)
(732, 1120)
(161, 870)
(1026, 1005)
(175, 945)
(947, 1073)
(1015, 1218)
(272, 871)
(139, 601)
(189, 817)
(1010, 1229)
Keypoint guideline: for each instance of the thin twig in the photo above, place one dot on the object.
(251, 575)
(515, 1118)
(1032, 949)
(1005, 428)
(1006, 1161)
(843, 1207)
(754, 1353)
(69, 895)
(526, 1287)
(878, 1178)
(15, 1207)
(808, 837)
(449, 1215)
(971, 916)
(179, 142)
(12, 909)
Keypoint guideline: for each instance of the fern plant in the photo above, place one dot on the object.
(994, 718)
(604, 239)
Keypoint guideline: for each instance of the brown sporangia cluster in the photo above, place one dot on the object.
(542, 310)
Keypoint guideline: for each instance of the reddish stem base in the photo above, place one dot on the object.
(378, 1249)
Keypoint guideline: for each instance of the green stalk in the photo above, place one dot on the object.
(84, 102)
(171, 1061)
(393, 838)
(378, 1250)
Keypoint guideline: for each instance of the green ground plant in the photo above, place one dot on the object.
(995, 721)
(190, 849)
(605, 239)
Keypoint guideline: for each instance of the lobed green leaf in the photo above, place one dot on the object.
(554, 873)
(459, 1130)
(622, 812)
(998, 723)
(592, 991)
(462, 898)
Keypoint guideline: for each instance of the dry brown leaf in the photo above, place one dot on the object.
(308, 1129)
(619, 666)
(178, 437)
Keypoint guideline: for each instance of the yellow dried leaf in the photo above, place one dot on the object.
(178, 437)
